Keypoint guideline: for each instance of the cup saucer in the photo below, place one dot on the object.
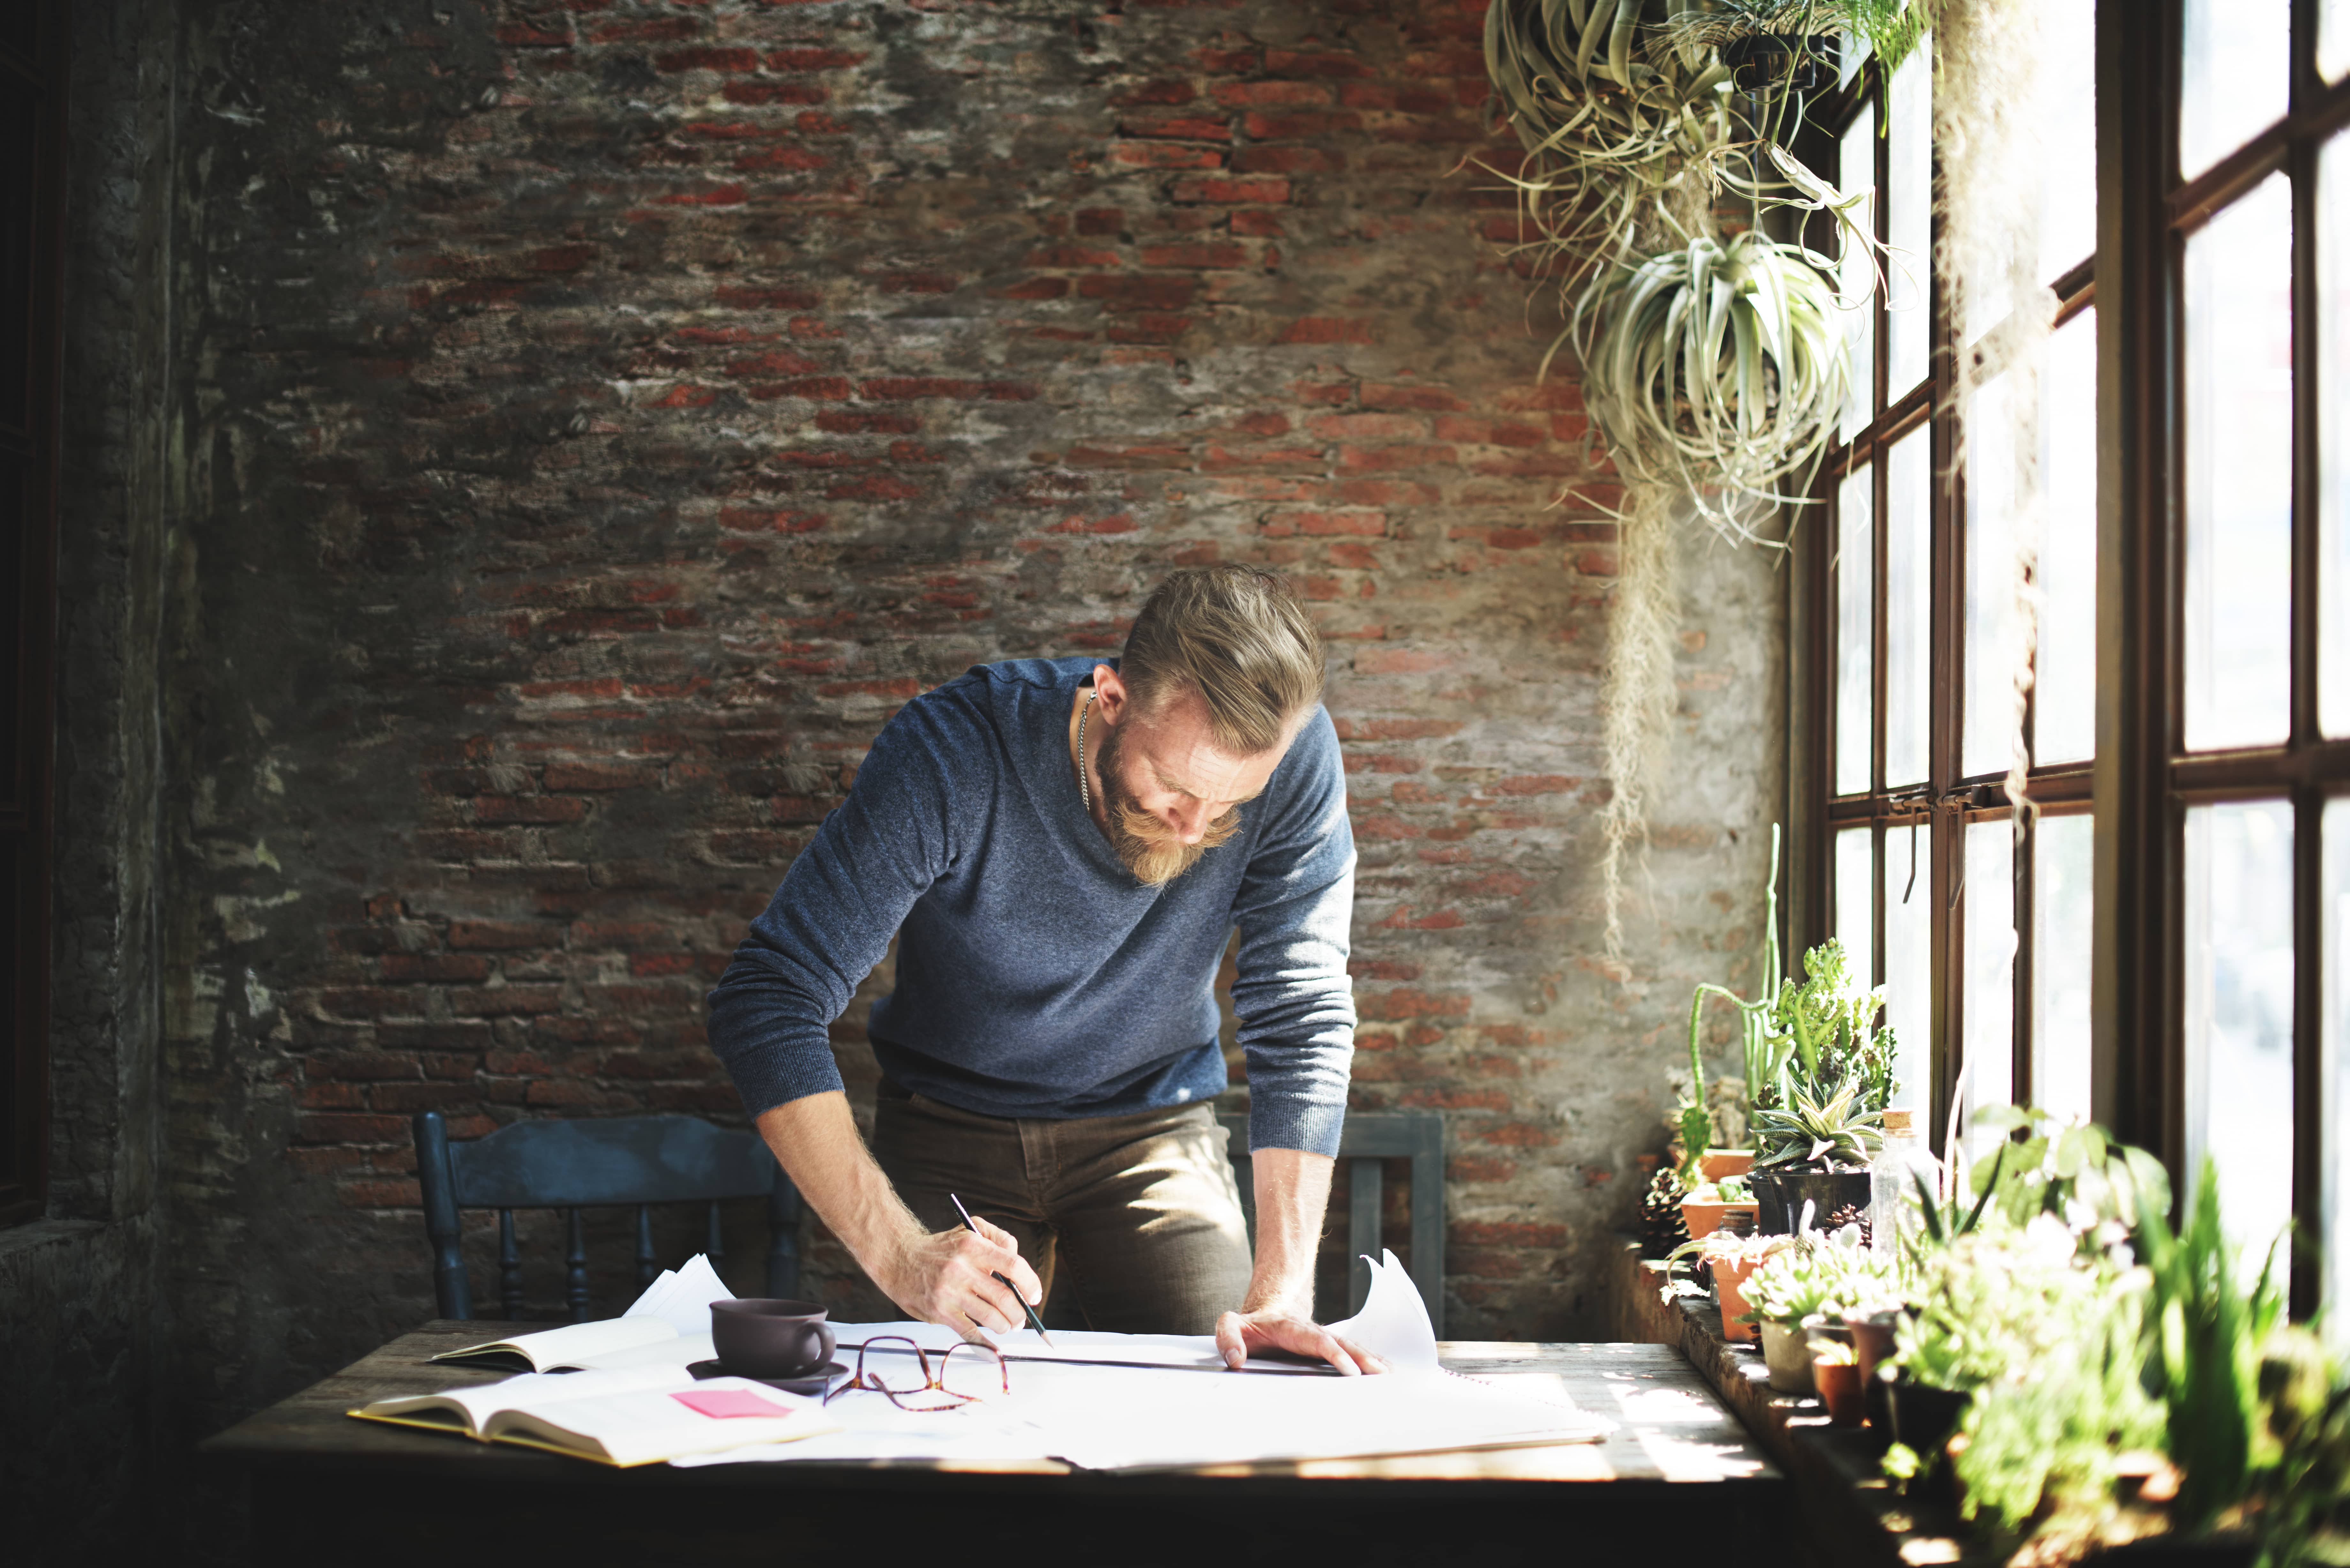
(814, 1385)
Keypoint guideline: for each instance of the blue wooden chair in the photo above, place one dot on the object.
(1369, 1138)
(604, 1162)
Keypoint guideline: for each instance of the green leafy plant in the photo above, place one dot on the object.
(1814, 1277)
(1824, 1134)
(2210, 1330)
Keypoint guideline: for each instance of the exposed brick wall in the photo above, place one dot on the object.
(602, 416)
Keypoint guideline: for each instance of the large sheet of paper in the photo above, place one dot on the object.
(1116, 1417)
(1110, 1401)
(1393, 1325)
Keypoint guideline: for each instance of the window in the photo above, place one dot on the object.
(1981, 940)
(2232, 270)
(2165, 946)
(31, 123)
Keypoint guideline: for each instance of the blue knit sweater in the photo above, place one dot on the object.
(1035, 976)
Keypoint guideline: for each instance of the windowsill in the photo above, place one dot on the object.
(1852, 1514)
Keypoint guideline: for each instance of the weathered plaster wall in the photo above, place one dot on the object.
(599, 418)
(82, 1312)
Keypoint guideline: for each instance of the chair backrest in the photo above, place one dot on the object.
(1369, 1138)
(603, 1162)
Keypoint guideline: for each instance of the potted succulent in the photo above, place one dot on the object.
(1707, 1203)
(1733, 1260)
(1801, 1294)
(1829, 1076)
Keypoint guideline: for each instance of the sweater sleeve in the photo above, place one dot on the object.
(831, 920)
(1292, 992)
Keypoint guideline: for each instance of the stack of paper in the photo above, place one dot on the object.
(669, 1326)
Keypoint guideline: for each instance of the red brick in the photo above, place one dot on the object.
(1261, 192)
(1206, 256)
(411, 967)
(1164, 155)
(337, 1127)
(599, 775)
(502, 935)
(707, 59)
(1131, 292)
(1261, 94)
(535, 808)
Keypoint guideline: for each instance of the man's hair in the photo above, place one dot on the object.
(1237, 638)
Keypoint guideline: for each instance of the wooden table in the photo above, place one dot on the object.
(327, 1489)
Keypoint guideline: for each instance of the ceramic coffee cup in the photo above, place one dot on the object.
(767, 1338)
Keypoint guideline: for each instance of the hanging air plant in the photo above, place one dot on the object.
(1714, 368)
(1718, 368)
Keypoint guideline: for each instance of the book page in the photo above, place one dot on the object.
(642, 1428)
(543, 1390)
(683, 1350)
(563, 1346)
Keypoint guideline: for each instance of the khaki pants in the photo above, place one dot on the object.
(1133, 1223)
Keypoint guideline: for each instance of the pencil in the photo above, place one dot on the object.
(1033, 1320)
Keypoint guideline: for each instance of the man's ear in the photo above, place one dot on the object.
(1109, 692)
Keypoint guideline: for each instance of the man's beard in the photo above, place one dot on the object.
(1145, 845)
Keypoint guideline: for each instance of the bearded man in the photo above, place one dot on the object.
(1063, 848)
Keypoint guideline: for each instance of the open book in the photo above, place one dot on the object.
(639, 1417)
(669, 1326)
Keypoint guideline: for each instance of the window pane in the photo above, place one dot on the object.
(1848, 60)
(1855, 899)
(1909, 606)
(1909, 218)
(1988, 739)
(2335, 1054)
(2233, 76)
(2068, 107)
(1909, 958)
(1990, 964)
(2064, 723)
(2240, 473)
(2061, 857)
(2333, 40)
(2334, 412)
(1856, 274)
(2238, 928)
(1856, 643)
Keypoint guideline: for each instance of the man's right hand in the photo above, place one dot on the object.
(949, 1277)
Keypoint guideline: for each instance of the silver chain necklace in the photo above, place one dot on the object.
(1085, 788)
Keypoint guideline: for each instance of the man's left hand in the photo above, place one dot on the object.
(1241, 1333)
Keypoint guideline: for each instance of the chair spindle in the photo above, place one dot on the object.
(576, 1258)
(1364, 1178)
(715, 1246)
(509, 1268)
(646, 1268)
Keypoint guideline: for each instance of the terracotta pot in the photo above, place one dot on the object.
(1730, 1275)
(1840, 1390)
(1718, 1163)
(1789, 1357)
(1705, 1219)
(1872, 1345)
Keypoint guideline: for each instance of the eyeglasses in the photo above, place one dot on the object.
(949, 1385)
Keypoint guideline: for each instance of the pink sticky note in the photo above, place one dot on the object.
(726, 1402)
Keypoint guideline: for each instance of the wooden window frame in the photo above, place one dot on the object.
(2145, 778)
(1938, 811)
(28, 598)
